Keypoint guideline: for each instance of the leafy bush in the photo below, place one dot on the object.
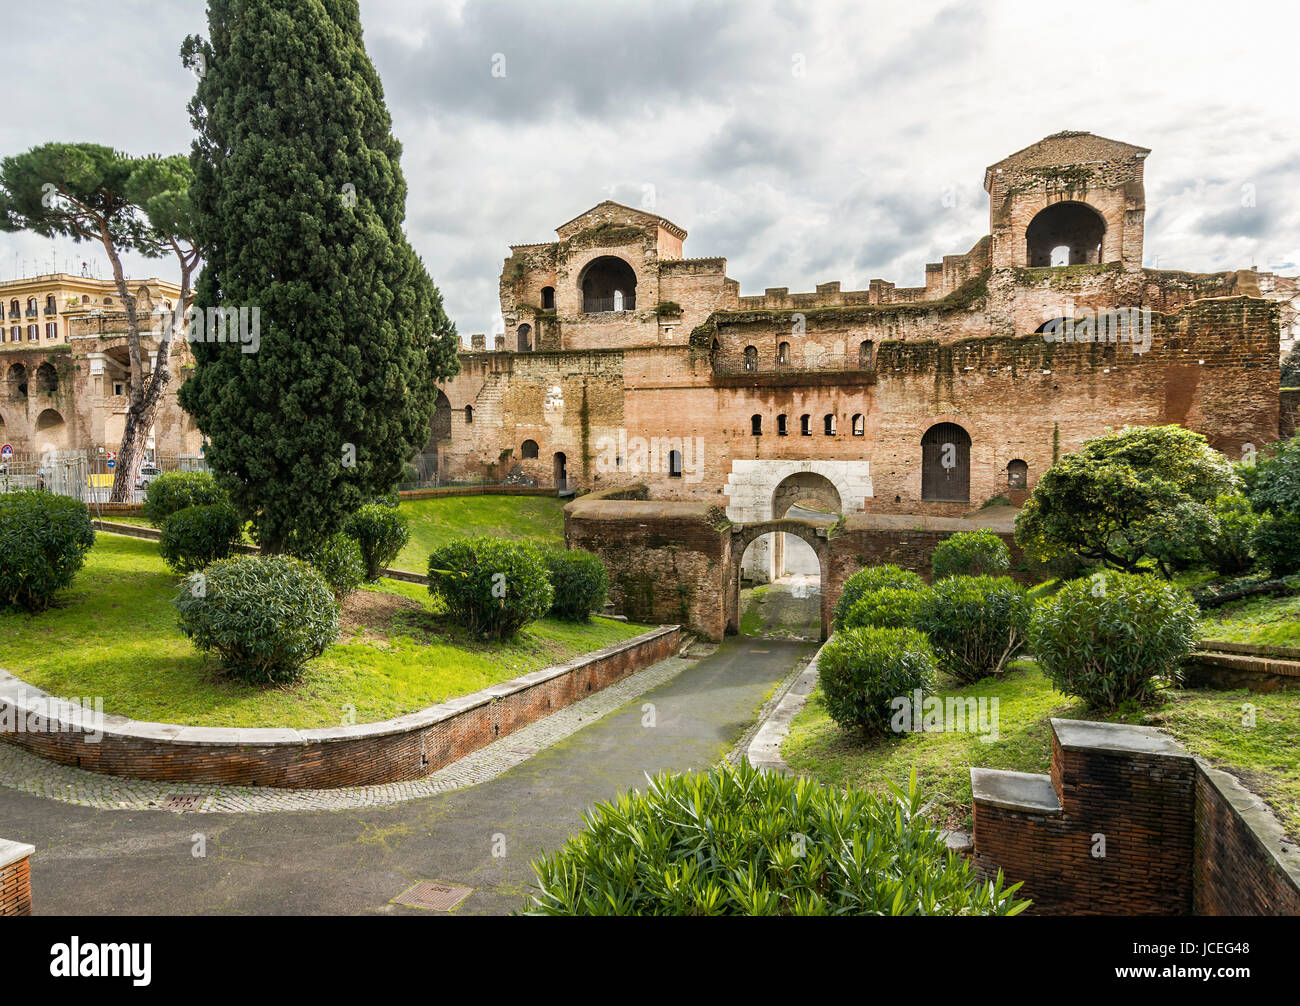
(861, 672)
(872, 578)
(1228, 548)
(338, 559)
(888, 608)
(198, 535)
(381, 532)
(1106, 639)
(970, 553)
(580, 582)
(736, 841)
(264, 615)
(975, 623)
(1276, 543)
(491, 586)
(44, 539)
(173, 491)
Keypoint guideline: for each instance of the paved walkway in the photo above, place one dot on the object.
(95, 861)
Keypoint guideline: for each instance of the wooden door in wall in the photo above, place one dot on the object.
(945, 463)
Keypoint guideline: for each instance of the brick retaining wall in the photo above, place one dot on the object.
(15, 878)
(396, 750)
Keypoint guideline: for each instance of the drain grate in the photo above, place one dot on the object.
(435, 896)
(182, 801)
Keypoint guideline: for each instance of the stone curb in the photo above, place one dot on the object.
(764, 752)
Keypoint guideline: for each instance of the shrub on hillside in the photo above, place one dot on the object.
(265, 616)
(872, 578)
(970, 553)
(861, 672)
(44, 539)
(173, 491)
(888, 608)
(491, 586)
(580, 583)
(1108, 639)
(975, 623)
(338, 559)
(198, 535)
(1276, 543)
(736, 841)
(381, 532)
(1228, 548)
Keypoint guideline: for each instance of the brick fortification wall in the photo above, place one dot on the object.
(15, 878)
(1128, 823)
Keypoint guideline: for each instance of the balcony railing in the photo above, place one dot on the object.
(33, 313)
(51, 309)
(605, 305)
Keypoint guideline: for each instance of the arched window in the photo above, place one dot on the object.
(859, 425)
(866, 354)
(31, 305)
(469, 414)
(50, 306)
(548, 298)
(528, 449)
(781, 425)
(560, 467)
(108, 300)
(14, 311)
(674, 464)
(85, 299)
(945, 463)
(829, 424)
(756, 425)
(751, 358)
(47, 378)
(607, 284)
(805, 425)
(1017, 475)
(525, 338)
(783, 354)
(1066, 233)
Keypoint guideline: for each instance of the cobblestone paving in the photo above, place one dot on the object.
(23, 771)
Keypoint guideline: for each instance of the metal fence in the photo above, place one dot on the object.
(84, 476)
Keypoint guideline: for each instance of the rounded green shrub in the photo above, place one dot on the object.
(381, 532)
(338, 559)
(736, 841)
(862, 671)
(1276, 543)
(872, 578)
(173, 491)
(1107, 639)
(198, 535)
(888, 608)
(970, 553)
(44, 539)
(491, 586)
(580, 583)
(265, 616)
(975, 623)
(1228, 549)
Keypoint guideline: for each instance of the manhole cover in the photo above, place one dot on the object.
(183, 801)
(432, 895)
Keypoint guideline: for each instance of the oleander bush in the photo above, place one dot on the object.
(265, 616)
(970, 553)
(381, 532)
(1113, 637)
(173, 491)
(976, 624)
(198, 535)
(862, 671)
(338, 559)
(580, 583)
(491, 586)
(44, 539)
(872, 578)
(887, 608)
(736, 841)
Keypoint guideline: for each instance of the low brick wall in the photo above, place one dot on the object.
(1129, 823)
(15, 878)
(1242, 665)
(396, 750)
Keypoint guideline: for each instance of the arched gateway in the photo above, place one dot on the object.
(813, 533)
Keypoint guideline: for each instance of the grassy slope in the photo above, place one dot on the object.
(1268, 621)
(113, 634)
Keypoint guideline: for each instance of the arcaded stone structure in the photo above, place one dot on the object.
(623, 362)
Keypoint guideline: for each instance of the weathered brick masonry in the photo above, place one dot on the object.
(15, 878)
(407, 747)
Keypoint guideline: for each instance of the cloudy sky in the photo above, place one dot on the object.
(806, 142)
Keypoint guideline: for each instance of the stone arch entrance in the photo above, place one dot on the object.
(806, 494)
(814, 534)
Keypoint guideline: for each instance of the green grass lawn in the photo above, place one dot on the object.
(434, 522)
(1264, 621)
(113, 634)
(1265, 756)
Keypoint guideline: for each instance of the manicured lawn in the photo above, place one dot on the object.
(1265, 756)
(113, 634)
(433, 522)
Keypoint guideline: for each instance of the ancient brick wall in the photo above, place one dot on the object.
(15, 878)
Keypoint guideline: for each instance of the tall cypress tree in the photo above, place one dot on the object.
(300, 199)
